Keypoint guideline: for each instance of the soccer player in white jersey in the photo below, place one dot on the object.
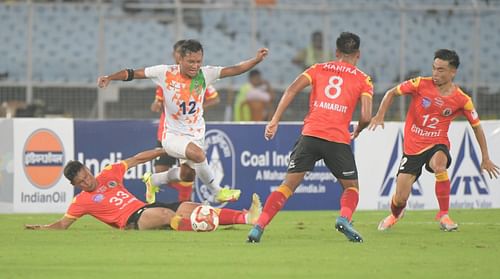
(183, 137)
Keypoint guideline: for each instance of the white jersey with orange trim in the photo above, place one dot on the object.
(183, 97)
(210, 93)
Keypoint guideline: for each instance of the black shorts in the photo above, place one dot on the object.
(164, 160)
(338, 157)
(134, 218)
(412, 164)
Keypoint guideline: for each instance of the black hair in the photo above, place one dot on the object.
(71, 169)
(316, 34)
(190, 46)
(253, 73)
(448, 55)
(178, 44)
(348, 43)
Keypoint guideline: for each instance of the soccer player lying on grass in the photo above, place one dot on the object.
(106, 198)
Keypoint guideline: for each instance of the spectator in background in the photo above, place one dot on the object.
(16, 108)
(255, 99)
(314, 53)
(9, 108)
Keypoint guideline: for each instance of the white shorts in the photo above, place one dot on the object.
(175, 146)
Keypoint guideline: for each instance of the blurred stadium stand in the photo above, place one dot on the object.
(72, 42)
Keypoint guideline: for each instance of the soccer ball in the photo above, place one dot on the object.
(204, 218)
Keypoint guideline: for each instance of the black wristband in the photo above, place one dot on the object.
(130, 75)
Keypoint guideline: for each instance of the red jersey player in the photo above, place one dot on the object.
(436, 101)
(106, 198)
(165, 162)
(337, 87)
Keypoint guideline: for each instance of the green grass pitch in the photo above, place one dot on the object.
(297, 244)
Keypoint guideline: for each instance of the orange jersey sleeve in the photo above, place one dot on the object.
(161, 127)
(159, 93)
(76, 208)
(470, 112)
(408, 87)
(367, 87)
(161, 124)
(211, 92)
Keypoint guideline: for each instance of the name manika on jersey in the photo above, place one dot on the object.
(430, 114)
(336, 89)
(210, 93)
(183, 97)
(110, 202)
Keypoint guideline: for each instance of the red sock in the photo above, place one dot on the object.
(184, 189)
(230, 216)
(349, 202)
(181, 224)
(185, 194)
(443, 193)
(274, 203)
(396, 209)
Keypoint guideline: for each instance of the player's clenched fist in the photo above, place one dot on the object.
(261, 53)
(103, 81)
(270, 131)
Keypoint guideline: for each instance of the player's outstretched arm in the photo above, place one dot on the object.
(378, 119)
(486, 164)
(144, 157)
(125, 75)
(297, 85)
(62, 224)
(365, 117)
(245, 65)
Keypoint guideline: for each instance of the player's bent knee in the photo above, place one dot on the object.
(161, 168)
(186, 208)
(195, 153)
(198, 158)
(167, 213)
(155, 218)
(439, 169)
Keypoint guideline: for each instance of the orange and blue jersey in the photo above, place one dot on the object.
(110, 202)
(336, 89)
(430, 114)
